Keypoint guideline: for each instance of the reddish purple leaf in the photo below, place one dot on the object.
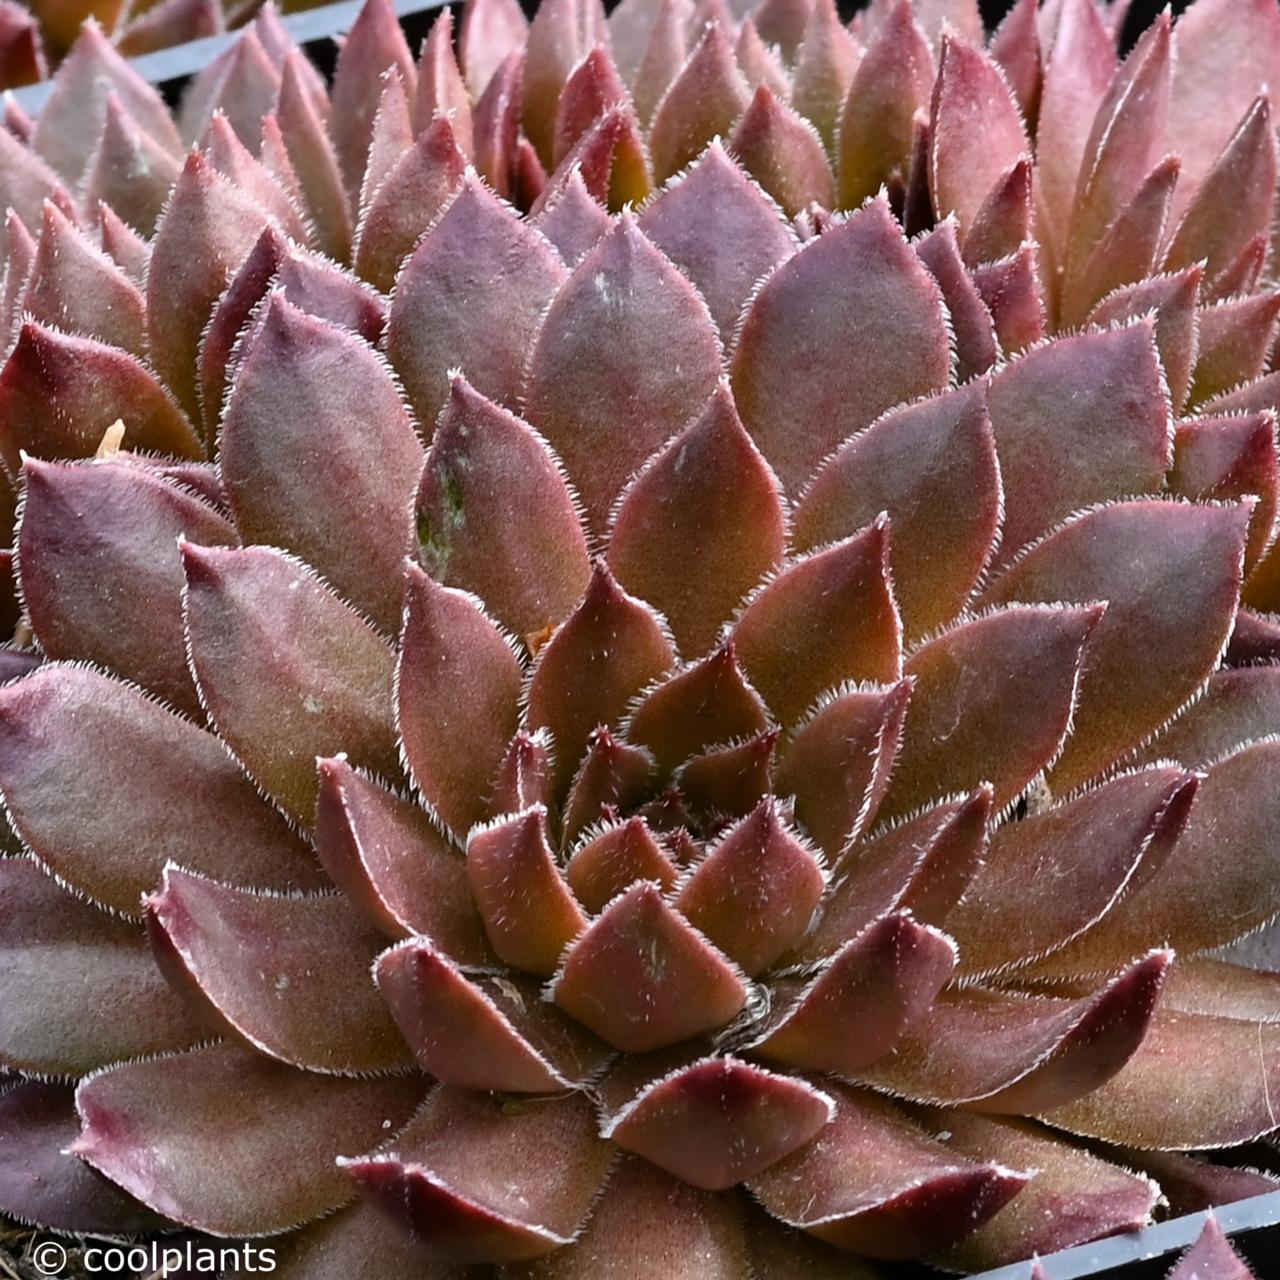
(152, 788)
(727, 782)
(719, 1121)
(974, 330)
(783, 152)
(1012, 292)
(796, 393)
(876, 132)
(582, 393)
(1171, 574)
(874, 1183)
(1005, 218)
(661, 60)
(289, 976)
(528, 911)
(394, 865)
(232, 159)
(932, 467)
(642, 978)
(1235, 343)
(470, 1179)
(471, 296)
(101, 575)
(491, 29)
(703, 102)
(824, 619)
(287, 672)
(879, 983)
(572, 219)
(609, 862)
(60, 393)
(457, 689)
(496, 126)
(1211, 1258)
(80, 988)
(560, 35)
(163, 1129)
(480, 1032)
(593, 86)
(613, 778)
(415, 193)
(440, 89)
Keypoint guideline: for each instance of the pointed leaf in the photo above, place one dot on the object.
(876, 1184)
(1211, 1255)
(932, 467)
(642, 978)
(560, 36)
(824, 68)
(796, 393)
(60, 393)
(662, 58)
(1012, 292)
(1076, 421)
(227, 1141)
(471, 296)
(727, 782)
(783, 152)
(129, 170)
(440, 90)
(491, 29)
(286, 670)
(1018, 669)
(470, 1179)
(613, 778)
(573, 220)
(1005, 218)
(974, 330)
(877, 126)
(880, 983)
(151, 787)
(717, 226)
(101, 575)
(704, 102)
(720, 1121)
(1235, 343)
(289, 976)
(581, 392)
(528, 911)
(479, 1032)
(606, 864)
(1148, 657)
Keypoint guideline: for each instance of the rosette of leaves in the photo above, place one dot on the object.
(622, 670)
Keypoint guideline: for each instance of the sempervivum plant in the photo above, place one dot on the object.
(629, 657)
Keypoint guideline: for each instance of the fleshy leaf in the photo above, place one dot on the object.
(609, 862)
(101, 575)
(150, 787)
(1075, 421)
(482, 1032)
(606, 406)
(975, 335)
(528, 910)
(1016, 668)
(286, 670)
(208, 228)
(415, 193)
(749, 237)
(1173, 300)
(394, 865)
(41, 1182)
(719, 1121)
(1235, 708)
(797, 394)
(440, 88)
(299, 478)
(728, 782)
(287, 975)
(80, 988)
(560, 35)
(642, 978)
(392, 136)
(1235, 341)
(861, 1001)
(876, 132)
(707, 503)
(1171, 574)
(932, 467)
(1012, 292)
(1005, 218)
(755, 892)
(1007, 1053)
(824, 67)
(357, 1243)
(612, 778)
(1064, 868)
(75, 286)
(977, 133)
(233, 160)
(824, 619)
(1223, 1071)
(783, 152)
(470, 1179)
(703, 102)
(1074, 1197)
(1211, 1257)
(591, 89)
(162, 1129)
(1227, 457)
(527, 558)
(838, 762)
(491, 29)
(572, 219)
(874, 1183)
(373, 43)
(471, 296)
(59, 393)
(705, 704)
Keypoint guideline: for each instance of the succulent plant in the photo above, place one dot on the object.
(629, 654)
